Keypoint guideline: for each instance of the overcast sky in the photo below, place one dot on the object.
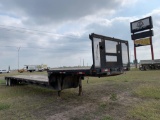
(55, 32)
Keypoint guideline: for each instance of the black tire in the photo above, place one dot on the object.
(15, 82)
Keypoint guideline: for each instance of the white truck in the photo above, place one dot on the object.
(4, 71)
(32, 68)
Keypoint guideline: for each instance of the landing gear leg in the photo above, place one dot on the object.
(80, 87)
(59, 93)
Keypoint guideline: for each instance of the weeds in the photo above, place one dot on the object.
(107, 118)
(148, 91)
(146, 111)
(4, 106)
(2, 81)
(103, 105)
(113, 97)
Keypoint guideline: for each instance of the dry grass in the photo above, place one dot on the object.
(148, 90)
(148, 110)
(131, 96)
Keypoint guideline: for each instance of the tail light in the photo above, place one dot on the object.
(81, 73)
(62, 72)
(106, 70)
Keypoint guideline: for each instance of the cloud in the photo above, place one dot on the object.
(56, 32)
(54, 11)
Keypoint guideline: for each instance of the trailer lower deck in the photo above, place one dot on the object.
(30, 79)
(57, 82)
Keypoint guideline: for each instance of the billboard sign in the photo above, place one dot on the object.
(142, 42)
(142, 24)
(142, 35)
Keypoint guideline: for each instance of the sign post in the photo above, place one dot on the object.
(152, 48)
(141, 26)
(135, 56)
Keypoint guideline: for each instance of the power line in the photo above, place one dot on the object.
(41, 48)
(25, 30)
(28, 31)
(28, 41)
(13, 46)
(36, 30)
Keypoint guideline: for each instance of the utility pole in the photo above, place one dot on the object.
(80, 61)
(18, 56)
(83, 62)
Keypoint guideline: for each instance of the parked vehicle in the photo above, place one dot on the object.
(32, 68)
(22, 70)
(110, 57)
(39, 68)
(4, 71)
(149, 64)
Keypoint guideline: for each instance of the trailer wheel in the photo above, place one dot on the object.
(141, 68)
(6, 82)
(9, 82)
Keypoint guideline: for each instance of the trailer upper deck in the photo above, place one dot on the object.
(70, 70)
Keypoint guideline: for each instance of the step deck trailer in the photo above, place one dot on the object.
(110, 57)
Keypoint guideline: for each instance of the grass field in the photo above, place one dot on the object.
(131, 96)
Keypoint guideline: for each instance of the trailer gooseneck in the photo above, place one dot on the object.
(110, 57)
